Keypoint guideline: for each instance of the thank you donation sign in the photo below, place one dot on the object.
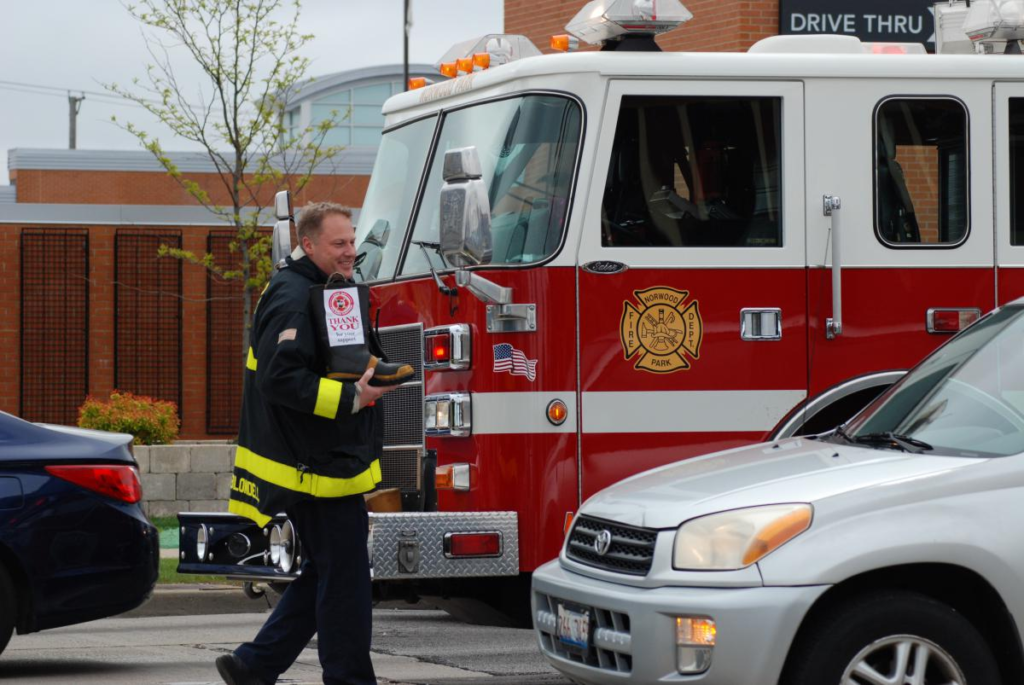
(344, 317)
(875, 21)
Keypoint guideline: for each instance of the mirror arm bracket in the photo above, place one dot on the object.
(503, 316)
(486, 291)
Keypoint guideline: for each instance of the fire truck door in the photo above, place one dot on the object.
(911, 161)
(692, 287)
(1009, 186)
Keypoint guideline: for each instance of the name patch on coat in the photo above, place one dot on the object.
(245, 487)
(344, 317)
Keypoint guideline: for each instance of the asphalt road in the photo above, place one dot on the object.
(411, 647)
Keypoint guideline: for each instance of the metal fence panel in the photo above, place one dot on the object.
(54, 324)
(147, 328)
(224, 357)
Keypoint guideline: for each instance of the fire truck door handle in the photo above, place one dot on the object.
(834, 325)
(761, 324)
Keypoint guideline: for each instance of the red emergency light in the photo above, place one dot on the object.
(473, 544)
(446, 348)
(951, 320)
(439, 348)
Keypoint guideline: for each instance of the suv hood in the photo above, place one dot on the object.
(794, 470)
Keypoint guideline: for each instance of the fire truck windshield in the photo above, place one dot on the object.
(966, 399)
(390, 196)
(528, 147)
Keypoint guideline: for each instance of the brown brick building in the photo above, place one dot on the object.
(717, 25)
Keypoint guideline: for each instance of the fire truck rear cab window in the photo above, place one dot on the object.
(921, 171)
(695, 172)
(1016, 171)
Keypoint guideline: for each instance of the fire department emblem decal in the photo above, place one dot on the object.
(341, 303)
(661, 330)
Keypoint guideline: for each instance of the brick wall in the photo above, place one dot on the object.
(718, 25)
(101, 323)
(129, 188)
(157, 188)
(920, 164)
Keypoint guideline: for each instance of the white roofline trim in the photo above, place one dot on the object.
(355, 160)
(121, 215)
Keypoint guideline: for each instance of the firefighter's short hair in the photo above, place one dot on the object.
(311, 218)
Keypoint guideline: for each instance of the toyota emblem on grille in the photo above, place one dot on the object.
(602, 542)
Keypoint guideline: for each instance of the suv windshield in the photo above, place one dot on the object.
(384, 217)
(527, 147)
(966, 399)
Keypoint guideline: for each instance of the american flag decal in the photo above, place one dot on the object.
(508, 358)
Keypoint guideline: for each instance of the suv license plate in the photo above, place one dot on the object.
(574, 627)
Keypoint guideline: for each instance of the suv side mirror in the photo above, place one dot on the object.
(281, 246)
(465, 210)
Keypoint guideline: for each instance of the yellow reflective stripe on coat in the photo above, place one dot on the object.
(328, 397)
(248, 511)
(288, 477)
(250, 363)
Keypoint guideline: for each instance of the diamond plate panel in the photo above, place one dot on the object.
(390, 531)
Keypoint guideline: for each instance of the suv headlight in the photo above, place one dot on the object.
(736, 539)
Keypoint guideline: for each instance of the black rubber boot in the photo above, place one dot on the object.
(348, 353)
(234, 671)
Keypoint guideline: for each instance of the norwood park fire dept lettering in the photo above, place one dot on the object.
(661, 330)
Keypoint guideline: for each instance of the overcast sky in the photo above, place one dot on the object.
(79, 44)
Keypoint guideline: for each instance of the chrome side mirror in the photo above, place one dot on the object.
(465, 210)
(283, 205)
(380, 233)
(281, 245)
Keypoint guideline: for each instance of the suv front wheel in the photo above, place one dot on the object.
(891, 638)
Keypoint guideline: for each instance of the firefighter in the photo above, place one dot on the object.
(309, 445)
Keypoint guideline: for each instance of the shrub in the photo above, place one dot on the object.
(152, 422)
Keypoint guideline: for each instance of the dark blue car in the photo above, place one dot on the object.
(74, 543)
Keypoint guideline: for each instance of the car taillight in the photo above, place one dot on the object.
(117, 482)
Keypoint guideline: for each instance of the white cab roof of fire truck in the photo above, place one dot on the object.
(778, 57)
(531, 72)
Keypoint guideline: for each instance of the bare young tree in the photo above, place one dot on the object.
(248, 52)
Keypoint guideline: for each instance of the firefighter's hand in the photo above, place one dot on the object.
(367, 394)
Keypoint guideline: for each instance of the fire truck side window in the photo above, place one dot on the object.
(921, 171)
(528, 148)
(695, 172)
(1016, 171)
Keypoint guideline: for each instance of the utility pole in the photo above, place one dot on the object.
(74, 105)
(405, 59)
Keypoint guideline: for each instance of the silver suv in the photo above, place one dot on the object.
(887, 552)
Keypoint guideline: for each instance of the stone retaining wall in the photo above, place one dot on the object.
(185, 476)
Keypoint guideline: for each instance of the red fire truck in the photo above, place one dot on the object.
(601, 262)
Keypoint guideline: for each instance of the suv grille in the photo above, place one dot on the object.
(631, 550)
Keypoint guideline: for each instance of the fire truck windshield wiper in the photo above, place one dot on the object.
(436, 247)
(903, 442)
